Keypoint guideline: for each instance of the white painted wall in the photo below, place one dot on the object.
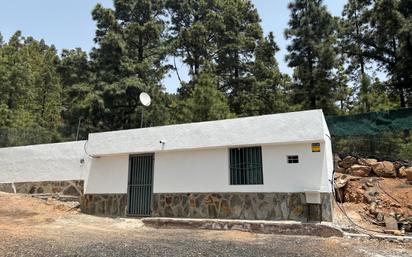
(208, 170)
(328, 164)
(303, 176)
(327, 171)
(108, 175)
(191, 171)
(47, 162)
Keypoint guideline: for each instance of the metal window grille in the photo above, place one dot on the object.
(246, 166)
(293, 159)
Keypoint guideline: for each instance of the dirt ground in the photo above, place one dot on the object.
(394, 197)
(34, 227)
(398, 190)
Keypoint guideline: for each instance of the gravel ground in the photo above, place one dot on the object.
(94, 241)
(31, 227)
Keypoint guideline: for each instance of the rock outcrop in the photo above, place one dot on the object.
(348, 162)
(367, 167)
(384, 169)
(359, 170)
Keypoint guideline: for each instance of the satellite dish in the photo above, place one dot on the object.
(145, 99)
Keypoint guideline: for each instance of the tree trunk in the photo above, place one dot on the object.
(364, 90)
(196, 66)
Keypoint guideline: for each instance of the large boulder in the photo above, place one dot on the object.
(408, 172)
(341, 180)
(397, 165)
(336, 166)
(402, 172)
(391, 223)
(347, 162)
(337, 159)
(339, 169)
(384, 169)
(367, 162)
(359, 170)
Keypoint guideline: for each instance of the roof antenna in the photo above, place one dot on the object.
(78, 128)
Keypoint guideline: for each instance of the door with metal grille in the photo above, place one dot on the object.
(140, 185)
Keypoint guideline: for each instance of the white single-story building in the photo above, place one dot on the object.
(272, 167)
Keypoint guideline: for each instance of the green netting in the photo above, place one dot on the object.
(372, 123)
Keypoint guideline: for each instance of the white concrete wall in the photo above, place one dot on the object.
(191, 171)
(47, 162)
(208, 170)
(328, 167)
(327, 171)
(303, 176)
(108, 175)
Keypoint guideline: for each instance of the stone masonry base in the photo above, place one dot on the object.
(113, 205)
(67, 187)
(248, 206)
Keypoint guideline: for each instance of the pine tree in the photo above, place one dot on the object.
(30, 91)
(194, 29)
(265, 94)
(130, 59)
(76, 78)
(380, 96)
(241, 32)
(74, 67)
(13, 73)
(204, 103)
(391, 44)
(354, 34)
(312, 32)
(130, 41)
(118, 106)
(344, 93)
(355, 30)
(225, 38)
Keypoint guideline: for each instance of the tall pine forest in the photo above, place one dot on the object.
(337, 64)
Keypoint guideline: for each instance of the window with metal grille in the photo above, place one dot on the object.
(246, 166)
(293, 158)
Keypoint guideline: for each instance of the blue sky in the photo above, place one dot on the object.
(68, 24)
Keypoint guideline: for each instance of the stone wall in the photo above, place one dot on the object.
(6, 187)
(69, 187)
(250, 206)
(114, 205)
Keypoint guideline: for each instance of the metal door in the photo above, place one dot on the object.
(140, 185)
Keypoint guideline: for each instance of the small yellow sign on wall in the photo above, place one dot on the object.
(315, 147)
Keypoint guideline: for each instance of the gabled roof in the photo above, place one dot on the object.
(293, 127)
